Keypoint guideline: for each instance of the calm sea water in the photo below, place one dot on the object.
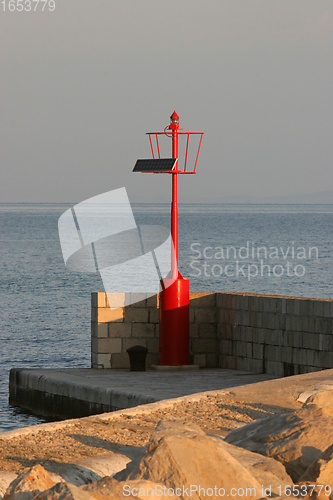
(45, 309)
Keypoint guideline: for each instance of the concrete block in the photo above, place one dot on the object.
(120, 330)
(154, 316)
(203, 300)
(223, 316)
(194, 330)
(94, 360)
(283, 306)
(309, 307)
(287, 354)
(318, 308)
(266, 305)
(98, 299)
(297, 356)
(204, 315)
(241, 349)
(226, 347)
(303, 309)
(144, 330)
(262, 301)
(326, 307)
(236, 332)
(304, 357)
(200, 359)
(153, 345)
(327, 343)
(294, 339)
(138, 300)
(259, 335)
(255, 365)
(115, 300)
(229, 362)
(244, 302)
(253, 303)
(224, 331)
(255, 319)
(104, 361)
(203, 346)
(290, 306)
(297, 306)
(258, 351)
(238, 317)
(136, 315)
(192, 319)
(275, 368)
(247, 333)
(308, 324)
(274, 305)
(152, 359)
(109, 345)
(310, 357)
(297, 323)
(99, 329)
(219, 300)
(211, 361)
(268, 320)
(310, 341)
(323, 325)
(224, 300)
(120, 361)
(152, 302)
(273, 353)
(106, 315)
(207, 331)
(269, 337)
(242, 364)
(249, 350)
(244, 318)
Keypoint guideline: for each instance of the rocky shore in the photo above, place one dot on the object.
(270, 436)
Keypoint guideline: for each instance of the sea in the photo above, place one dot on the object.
(45, 307)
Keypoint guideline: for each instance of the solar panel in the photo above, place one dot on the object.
(155, 166)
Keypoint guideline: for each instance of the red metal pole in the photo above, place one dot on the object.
(175, 295)
(174, 208)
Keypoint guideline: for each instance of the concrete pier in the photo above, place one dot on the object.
(71, 393)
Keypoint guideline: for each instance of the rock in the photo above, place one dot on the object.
(268, 471)
(321, 471)
(182, 457)
(106, 464)
(27, 485)
(6, 478)
(322, 399)
(295, 439)
(66, 491)
(74, 473)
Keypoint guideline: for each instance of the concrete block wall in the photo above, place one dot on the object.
(260, 333)
(274, 334)
(114, 329)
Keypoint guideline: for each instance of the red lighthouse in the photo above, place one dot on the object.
(175, 290)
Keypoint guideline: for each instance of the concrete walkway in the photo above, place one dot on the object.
(82, 392)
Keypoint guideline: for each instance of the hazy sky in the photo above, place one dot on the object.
(81, 86)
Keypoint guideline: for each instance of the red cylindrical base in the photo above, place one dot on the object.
(175, 322)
